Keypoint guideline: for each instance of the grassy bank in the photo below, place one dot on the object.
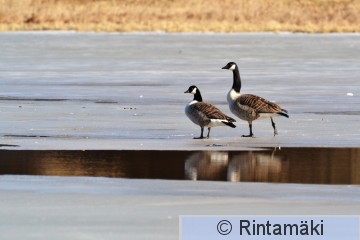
(181, 16)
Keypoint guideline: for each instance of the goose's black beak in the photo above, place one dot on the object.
(224, 67)
(187, 91)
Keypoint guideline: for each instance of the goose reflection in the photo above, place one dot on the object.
(245, 166)
(256, 167)
(206, 165)
(293, 165)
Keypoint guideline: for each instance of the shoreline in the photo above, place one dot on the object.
(8, 30)
(155, 33)
(178, 16)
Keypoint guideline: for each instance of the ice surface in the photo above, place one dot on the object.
(72, 90)
(101, 208)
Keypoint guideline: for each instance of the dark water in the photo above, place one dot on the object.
(289, 165)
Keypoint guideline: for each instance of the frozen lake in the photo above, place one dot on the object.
(125, 91)
(93, 91)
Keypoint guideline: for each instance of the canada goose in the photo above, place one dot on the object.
(249, 107)
(205, 114)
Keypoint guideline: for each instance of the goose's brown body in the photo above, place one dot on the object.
(206, 115)
(250, 107)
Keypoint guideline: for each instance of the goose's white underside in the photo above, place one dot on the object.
(268, 115)
(216, 123)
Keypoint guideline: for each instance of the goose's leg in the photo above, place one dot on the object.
(208, 135)
(201, 136)
(251, 133)
(274, 127)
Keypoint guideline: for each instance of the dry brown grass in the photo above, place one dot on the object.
(181, 16)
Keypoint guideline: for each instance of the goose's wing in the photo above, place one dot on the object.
(259, 104)
(212, 112)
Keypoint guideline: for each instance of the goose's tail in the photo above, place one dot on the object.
(230, 124)
(283, 113)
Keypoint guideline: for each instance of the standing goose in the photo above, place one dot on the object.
(205, 114)
(249, 107)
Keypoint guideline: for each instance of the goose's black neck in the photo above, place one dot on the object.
(197, 96)
(236, 80)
